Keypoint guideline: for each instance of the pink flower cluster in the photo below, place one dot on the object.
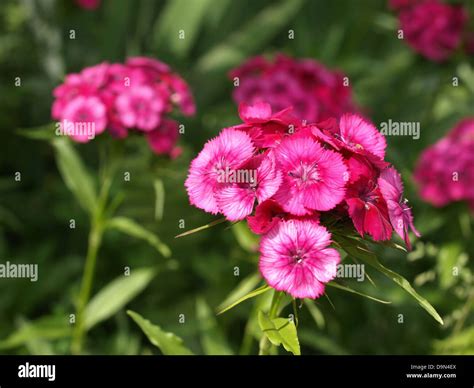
(432, 28)
(282, 175)
(136, 96)
(315, 92)
(445, 170)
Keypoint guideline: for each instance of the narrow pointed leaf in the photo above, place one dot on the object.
(359, 250)
(130, 227)
(207, 226)
(250, 295)
(74, 174)
(114, 296)
(352, 291)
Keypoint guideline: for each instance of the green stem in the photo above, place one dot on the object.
(98, 221)
(265, 345)
(95, 239)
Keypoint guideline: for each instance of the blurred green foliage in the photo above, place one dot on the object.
(389, 81)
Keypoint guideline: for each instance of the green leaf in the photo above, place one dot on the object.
(212, 339)
(159, 199)
(245, 286)
(41, 329)
(180, 15)
(44, 132)
(74, 174)
(249, 38)
(250, 295)
(280, 331)
(358, 249)
(246, 239)
(116, 295)
(448, 259)
(130, 227)
(168, 343)
(348, 289)
(207, 226)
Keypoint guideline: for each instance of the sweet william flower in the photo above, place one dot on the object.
(295, 258)
(358, 135)
(391, 187)
(267, 214)
(314, 178)
(226, 152)
(368, 210)
(236, 200)
(305, 175)
(265, 128)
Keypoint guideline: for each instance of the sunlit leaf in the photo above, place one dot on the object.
(169, 343)
(74, 174)
(250, 295)
(280, 331)
(114, 296)
(43, 328)
(130, 227)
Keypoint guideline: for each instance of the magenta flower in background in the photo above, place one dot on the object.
(124, 99)
(284, 176)
(296, 258)
(314, 92)
(88, 4)
(85, 109)
(445, 170)
(432, 28)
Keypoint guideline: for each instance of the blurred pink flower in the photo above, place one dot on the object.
(88, 4)
(433, 29)
(85, 117)
(314, 92)
(444, 171)
(295, 258)
(162, 140)
(137, 97)
(140, 107)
